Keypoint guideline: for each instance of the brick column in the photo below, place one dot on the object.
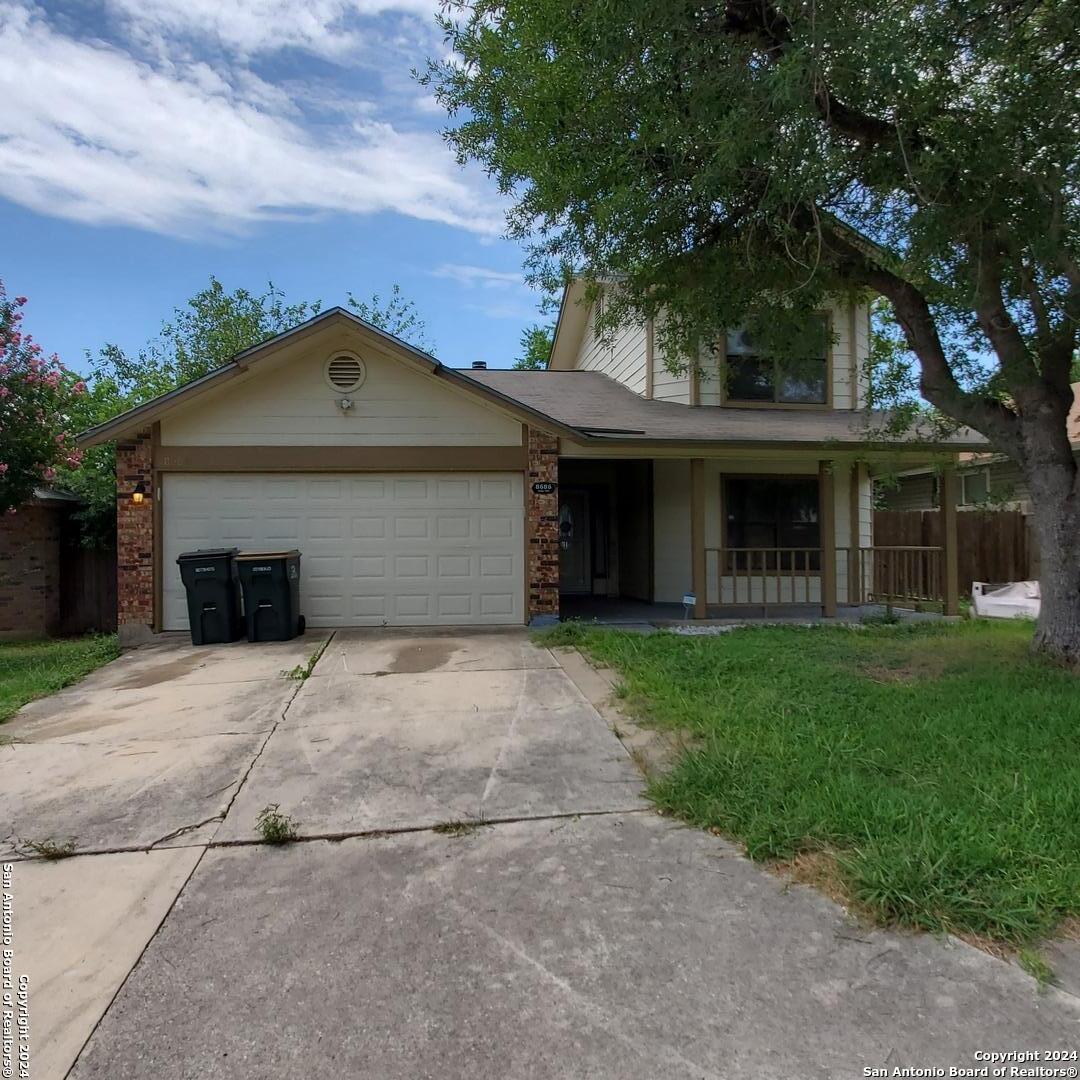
(542, 526)
(135, 537)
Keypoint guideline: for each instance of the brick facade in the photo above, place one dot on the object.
(135, 532)
(542, 520)
(30, 570)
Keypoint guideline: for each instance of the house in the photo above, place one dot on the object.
(420, 494)
(983, 480)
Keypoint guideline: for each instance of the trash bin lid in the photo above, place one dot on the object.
(207, 553)
(269, 554)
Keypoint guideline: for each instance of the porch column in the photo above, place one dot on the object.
(827, 523)
(698, 578)
(854, 559)
(950, 549)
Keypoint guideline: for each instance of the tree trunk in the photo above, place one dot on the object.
(1056, 517)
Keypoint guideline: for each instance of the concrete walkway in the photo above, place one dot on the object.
(559, 928)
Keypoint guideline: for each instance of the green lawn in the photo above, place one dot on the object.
(935, 769)
(33, 669)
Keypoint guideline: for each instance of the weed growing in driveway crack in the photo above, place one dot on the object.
(49, 848)
(302, 672)
(458, 828)
(275, 827)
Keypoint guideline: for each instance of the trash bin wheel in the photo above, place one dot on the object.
(301, 624)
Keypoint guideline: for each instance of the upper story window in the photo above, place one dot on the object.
(976, 487)
(753, 376)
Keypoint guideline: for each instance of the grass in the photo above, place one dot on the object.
(275, 827)
(34, 669)
(929, 773)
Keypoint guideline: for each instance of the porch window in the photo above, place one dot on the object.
(754, 376)
(771, 516)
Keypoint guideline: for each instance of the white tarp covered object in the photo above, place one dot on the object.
(1017, 600)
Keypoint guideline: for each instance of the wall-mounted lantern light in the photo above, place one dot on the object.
(138, 494)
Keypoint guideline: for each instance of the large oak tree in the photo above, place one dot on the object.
(725, 162)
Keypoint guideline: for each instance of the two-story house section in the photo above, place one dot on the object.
(732, 481)
(605, 486)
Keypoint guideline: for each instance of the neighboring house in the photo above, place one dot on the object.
(984, 480)
(420, 494)
(30, 564)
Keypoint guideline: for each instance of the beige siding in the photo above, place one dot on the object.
(291, 404)
(622, 357)
(844, 387)
(671, 530)
(668, 386)
(709, 386)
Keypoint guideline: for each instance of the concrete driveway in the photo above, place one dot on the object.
(481, 891)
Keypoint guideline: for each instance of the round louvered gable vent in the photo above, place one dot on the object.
(345, 373)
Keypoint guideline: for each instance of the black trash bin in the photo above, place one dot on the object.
(271, 585)
(213, 599)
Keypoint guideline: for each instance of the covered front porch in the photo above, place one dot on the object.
(729, 538)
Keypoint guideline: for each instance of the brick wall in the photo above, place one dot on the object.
(134, 533)
(542, 513)
(30, 570)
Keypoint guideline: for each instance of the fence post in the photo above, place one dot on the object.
(698, 572)
(827, 522)
(951, 549)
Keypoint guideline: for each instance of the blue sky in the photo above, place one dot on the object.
(147, 144)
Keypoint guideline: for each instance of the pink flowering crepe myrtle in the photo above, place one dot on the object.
(36, 394)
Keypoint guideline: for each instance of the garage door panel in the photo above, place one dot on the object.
(325, 528)
(411, 528)
(407, 549)
(496, 526)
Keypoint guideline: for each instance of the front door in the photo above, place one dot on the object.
(575, 563)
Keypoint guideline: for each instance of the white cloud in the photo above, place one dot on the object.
(249, 27)
(478, 275)
(91, 132)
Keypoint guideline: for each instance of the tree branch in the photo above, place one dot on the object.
(1017, 363)
(937, 380)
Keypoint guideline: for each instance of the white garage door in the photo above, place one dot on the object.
(397, 549)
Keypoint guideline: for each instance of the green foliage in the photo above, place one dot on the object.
(302, 672)
(725, 166)
(536, 341)
(934, 763)
(206, 332)
(395, 315)
(34, 669)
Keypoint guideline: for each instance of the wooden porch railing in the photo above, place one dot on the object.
(763, 577)
(908, 573)
(772, 577)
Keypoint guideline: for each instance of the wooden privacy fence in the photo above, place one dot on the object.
(994, 545)
(87, 588)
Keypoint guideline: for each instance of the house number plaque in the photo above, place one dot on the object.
(543, 487)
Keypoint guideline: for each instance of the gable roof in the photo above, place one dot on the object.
(585, 406)
(136, 419)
